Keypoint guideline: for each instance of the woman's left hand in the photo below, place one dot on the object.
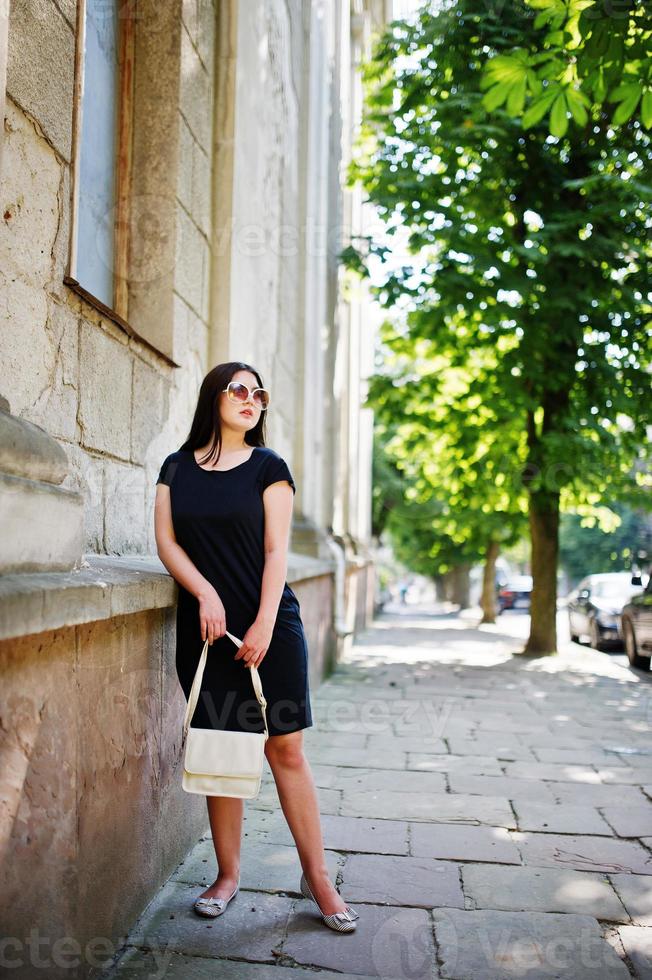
(255, 643)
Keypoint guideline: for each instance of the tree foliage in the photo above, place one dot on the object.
(585, 57)
(527, 273)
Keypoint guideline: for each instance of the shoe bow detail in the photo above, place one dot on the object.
(211, 901)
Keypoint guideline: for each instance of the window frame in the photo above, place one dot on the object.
(118, 312)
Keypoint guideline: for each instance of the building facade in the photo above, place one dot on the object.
(171, 180)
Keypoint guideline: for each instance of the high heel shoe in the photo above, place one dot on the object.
(339, 921)
(211, 907)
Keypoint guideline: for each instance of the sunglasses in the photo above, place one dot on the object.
(236, 391)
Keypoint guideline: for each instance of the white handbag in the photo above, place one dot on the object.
(218, 762)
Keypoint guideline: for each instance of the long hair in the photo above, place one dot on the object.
(206, 421)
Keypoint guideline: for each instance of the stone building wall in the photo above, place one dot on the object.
(240, 116)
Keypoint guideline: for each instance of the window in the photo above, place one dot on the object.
(102, 157)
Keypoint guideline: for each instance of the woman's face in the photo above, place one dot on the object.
(240, 415)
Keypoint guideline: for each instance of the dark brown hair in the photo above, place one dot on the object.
(206, 422)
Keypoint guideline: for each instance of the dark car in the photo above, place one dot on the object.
(636, 626)
(515, 593)
(594, 607)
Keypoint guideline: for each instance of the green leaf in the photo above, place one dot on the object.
(558, 116)
(646, 109)
(495, 96)
(505, 68)
(541, 19)
(516, 98)
(538, 109)
(600, 88)
(623, 91)
(626, 108)
(577, 106)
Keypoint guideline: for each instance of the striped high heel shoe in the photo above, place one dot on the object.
(339, 921)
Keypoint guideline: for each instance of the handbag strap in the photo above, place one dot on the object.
(196, 687)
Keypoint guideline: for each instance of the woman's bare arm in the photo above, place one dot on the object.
(184, 571)
(278, 500)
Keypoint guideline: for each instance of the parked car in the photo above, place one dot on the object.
(636, 627)
(594, 607)
(515, 593)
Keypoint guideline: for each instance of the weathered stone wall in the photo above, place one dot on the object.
(116, 407)
(236, 153)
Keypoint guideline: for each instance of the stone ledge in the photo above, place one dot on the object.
(105, 586)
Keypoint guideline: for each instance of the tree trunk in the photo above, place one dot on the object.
(544, 533)
(488, 597)
(461, 585)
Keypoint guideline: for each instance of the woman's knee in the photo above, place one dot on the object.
(285, 750)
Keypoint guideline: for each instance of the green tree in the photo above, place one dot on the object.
(605, 542)
(532, 248)
(584, 55)
(454, 449)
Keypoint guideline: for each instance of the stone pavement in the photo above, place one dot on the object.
(488, 815)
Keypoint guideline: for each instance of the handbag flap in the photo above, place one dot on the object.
(224, 753)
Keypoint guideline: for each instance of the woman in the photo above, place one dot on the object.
(222, 520)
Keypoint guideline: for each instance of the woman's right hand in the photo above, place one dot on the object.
(212, 616)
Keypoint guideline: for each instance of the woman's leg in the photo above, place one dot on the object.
(225, 814)
(298, 797)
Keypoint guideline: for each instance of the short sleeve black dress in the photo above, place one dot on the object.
(219, 519)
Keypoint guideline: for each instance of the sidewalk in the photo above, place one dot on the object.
(488, 816)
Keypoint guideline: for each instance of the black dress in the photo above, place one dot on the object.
(219, 519)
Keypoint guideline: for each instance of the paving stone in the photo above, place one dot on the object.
(252, 926)
(361, 780)
(313, 737)
(359, 758)
(631, 775)
(541, 890)
(501, 747)
(556, 740)
(554, 771)
(415, 881)
(583, 853)
(510, 789)
(584, 755)
(374, 836)
(137, 964)
(633, 821)
(638, 946)
(596, 795)
(557, 819)
(406, 743)
(635, 892)
(512, 723)
(456, 842)
(387, 942)
(433, 807)
(268, 824)
(640, 759)
(478, 766)
(494, 945)
(431, 725)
